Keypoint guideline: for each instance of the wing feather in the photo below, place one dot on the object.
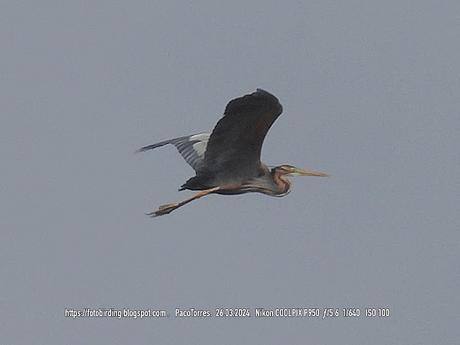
(235, 144)
(186, 147)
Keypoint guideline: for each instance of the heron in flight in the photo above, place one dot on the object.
(227, 161)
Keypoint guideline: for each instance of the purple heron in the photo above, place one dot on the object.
(227, 161)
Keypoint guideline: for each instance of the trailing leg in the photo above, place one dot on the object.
(168, 208)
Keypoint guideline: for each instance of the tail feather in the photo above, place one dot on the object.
(193, 183)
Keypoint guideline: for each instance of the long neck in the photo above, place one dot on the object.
(282, 183)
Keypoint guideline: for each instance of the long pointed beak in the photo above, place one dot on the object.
(302, 172)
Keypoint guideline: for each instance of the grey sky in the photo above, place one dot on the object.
(370, 91)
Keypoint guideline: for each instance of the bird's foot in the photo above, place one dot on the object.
(163, 209)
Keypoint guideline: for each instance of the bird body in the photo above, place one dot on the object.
(227, 161)
(267, 181)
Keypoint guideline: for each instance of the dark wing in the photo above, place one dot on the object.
(236, 142)
(191, 147)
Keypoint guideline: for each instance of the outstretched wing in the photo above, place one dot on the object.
(191, 147)
(236, 142)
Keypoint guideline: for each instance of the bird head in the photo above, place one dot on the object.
(290, 170)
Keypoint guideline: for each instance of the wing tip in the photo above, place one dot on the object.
(153, 146)
(142, 149)
(264, 93)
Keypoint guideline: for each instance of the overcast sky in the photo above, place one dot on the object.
(370, 91)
